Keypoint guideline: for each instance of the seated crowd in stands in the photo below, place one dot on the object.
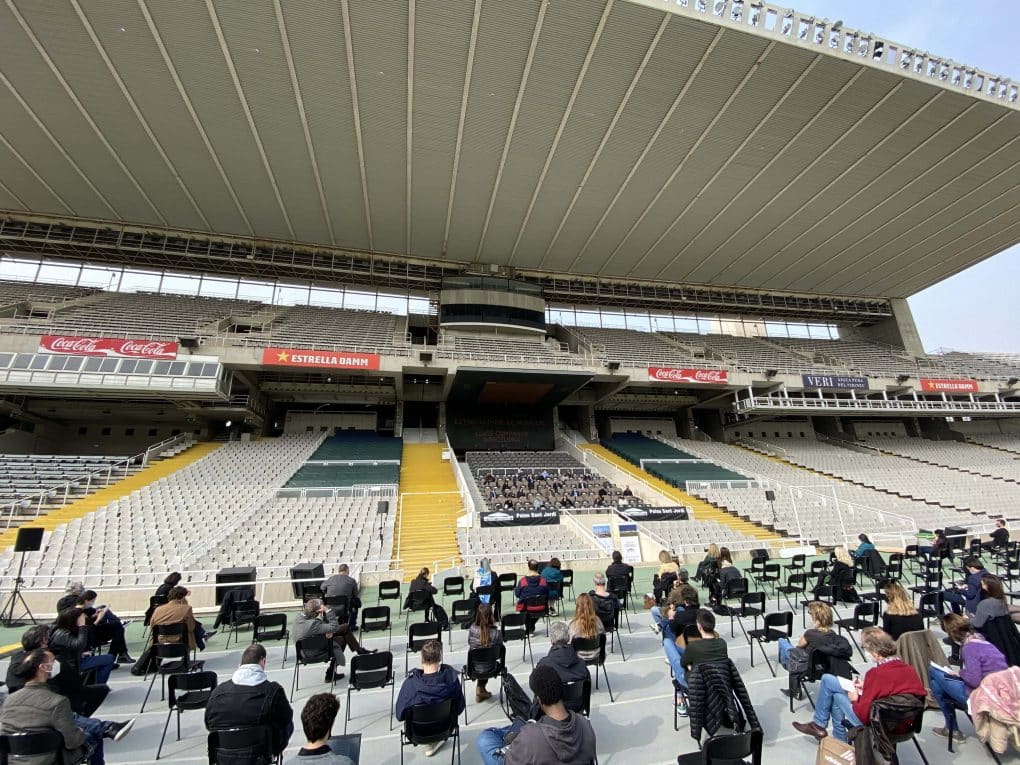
(543, 490)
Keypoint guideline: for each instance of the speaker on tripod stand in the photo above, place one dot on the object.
(770, 497)
(29, 540)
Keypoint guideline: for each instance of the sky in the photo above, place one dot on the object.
(974, 310)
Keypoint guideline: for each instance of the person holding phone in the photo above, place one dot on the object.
(951, 689)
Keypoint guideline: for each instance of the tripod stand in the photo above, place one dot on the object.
(7, 613)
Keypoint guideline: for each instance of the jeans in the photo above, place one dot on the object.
(675, 654)
(93, 730)
(949, 692)
(490, 742)
(954, 598)
(833, 702)
(656, 613)
(103, 664)
(784, 650)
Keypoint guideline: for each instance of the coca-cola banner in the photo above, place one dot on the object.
(297, 357)
(931, 385)
(115, 347)
(698, 376)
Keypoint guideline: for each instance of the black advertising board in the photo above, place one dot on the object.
(837, 382)
(654, 513)
(520, 518)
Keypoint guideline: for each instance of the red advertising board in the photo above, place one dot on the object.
(115, 347)
(302, 357)
(931, 385)
(700, 376)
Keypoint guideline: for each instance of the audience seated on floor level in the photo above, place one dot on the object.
(999, 537)
(607, 605)
(432, 683)
(177, 610)
(69, 640)
(317, 720)
(849, 703)
(342, 584)
(250, 698)
(965, 596)
(900, 614)
(483, 633)
(36, 706)
(553, 580)
(104, 625)
(950, 688)
(531, 585)
(555, 734)
(585, 624)
(317, 619)
(819, 638)
(563, 658)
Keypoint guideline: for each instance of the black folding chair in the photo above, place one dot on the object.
(769, 577)
(242, 613)
(727, 749)
(537, 607)
(430, 724)
(462, 613)
(597, 644)
(418, 635)
(752, 606)
(865, 615)
(568, 581)
(376, 619)
(171, 659)
(453, 585)
(613, 630)
(35, 744)
(774, 626)
(340, 605)
(515, 627)
(234, 745)
(818, 664)
(492, 591)
(419, 601)
(797, 565)
(304, 650)
(577, 695)
(154, 602)
(953, 728)
(188, 692)
(370, 670)
(796, 585)
(272, 627)
(388, 590)
(900, 725)
(931, 606)
(620, 587)
(507, 583)
(484, 664)
(734, 588)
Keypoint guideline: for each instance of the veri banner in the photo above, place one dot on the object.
(115, 347)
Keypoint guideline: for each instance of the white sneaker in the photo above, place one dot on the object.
(656, 629)
(431, 749)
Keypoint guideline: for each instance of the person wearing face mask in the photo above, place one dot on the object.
(37, 707)
(105, 627)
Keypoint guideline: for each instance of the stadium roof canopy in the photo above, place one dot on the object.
(719, 143)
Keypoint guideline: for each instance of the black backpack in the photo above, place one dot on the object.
(516, 703)
(440, 617)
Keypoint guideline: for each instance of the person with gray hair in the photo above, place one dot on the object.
(607, 605)
(563, 658)
(316, 619)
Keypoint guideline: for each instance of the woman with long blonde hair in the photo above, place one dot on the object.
(585, 624)
(900, 615)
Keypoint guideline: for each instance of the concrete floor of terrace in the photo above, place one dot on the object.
(635, 729)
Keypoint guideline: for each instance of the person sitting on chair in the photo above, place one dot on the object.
(618, 569)
(890, 677)
(432, 683)
(563, 658)
(607, 605)
(727, 573)
(421, 583)
(978, 659)
(554, 581)
(967, 595)
(106, 627)
(555, 735)
(532, 585)
(162, 594)
(249, 698)
(317, 720)
(38, 707)
(484, 577)
(483, 633)
(342, 583)
(900, 614)
(177, 610)
(317, 619)
(864, 548)
(1000, 537)
(821, 638)
(585, 624)
(69, 640)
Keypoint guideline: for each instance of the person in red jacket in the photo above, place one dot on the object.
(890, 677)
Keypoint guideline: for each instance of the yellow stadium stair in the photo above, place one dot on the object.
(152, 472)
(703, 511)
(428, 510)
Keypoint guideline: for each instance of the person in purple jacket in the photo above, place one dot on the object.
(980, 658)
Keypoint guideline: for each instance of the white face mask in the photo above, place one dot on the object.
(55, 669)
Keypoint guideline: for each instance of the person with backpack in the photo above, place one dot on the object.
(819, 638)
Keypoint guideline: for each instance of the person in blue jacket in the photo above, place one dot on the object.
(863, 548)
(967, 595)
(432, 683)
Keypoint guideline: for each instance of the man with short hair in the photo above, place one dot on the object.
(343, 584)
(555, 735)
(1000, 537)
(317, 720)
(966, 595)
(607, 605)
(38, 707)
(532, 585)
(250, 698)
(890, 677)
(563, 658)
(432, 683)
(317, 619)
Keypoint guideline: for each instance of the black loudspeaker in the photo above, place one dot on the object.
(612, 366)
(770, 496)
(383, 507)
(233, 576)
(425, 356)
(313, 572)
(29, 539)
